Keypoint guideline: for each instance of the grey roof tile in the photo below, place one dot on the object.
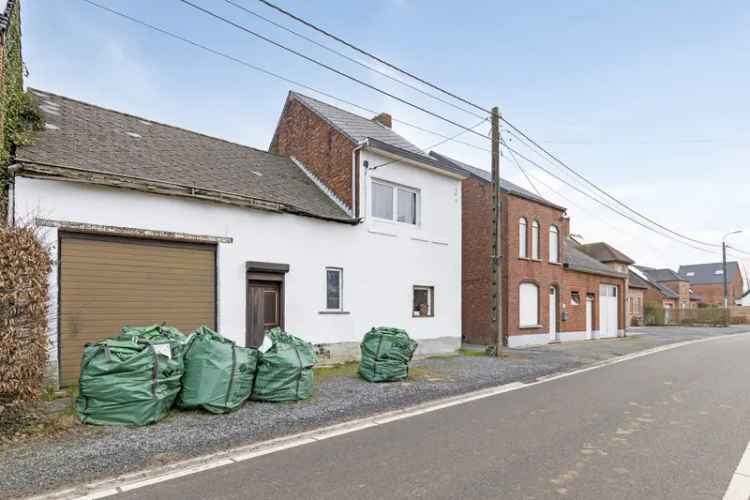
(93, 138)
(705, 274)
(660, 275)
(356, 127)
(577, 260)
(486, 176)
(604, 252)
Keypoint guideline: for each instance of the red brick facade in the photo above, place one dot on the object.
(713, 294)
(476, 279)
(326, 152)
(588, 284)
(681, 288)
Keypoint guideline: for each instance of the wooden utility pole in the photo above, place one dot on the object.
(497, 289)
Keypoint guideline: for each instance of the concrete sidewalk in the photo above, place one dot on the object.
(97, 452)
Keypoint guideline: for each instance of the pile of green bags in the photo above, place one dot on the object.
(131, 379)
(285, 370)
(218, 373)
(386, 353)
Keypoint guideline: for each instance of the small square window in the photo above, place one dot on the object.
(423, 304)
(334, 288)
(575, 298)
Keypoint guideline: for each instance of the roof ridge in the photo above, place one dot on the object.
(175, 127)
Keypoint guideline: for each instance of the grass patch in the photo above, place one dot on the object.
(342, 370)
(479, 353)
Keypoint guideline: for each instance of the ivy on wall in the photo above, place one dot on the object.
(19, 112)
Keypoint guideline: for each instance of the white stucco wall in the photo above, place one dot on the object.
(381, 261)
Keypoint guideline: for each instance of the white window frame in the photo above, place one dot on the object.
(395, 188)
(430, 301)
(535, 232)
(524, 322)
(554, 257)
(523, 234)
(340, 272)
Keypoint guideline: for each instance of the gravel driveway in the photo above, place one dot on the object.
(98, 452)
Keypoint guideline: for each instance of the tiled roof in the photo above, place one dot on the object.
(667, 292)
(505, 185)
(578, 260)
(356, 127)
(83, 136)
(603, 252)
(660, 275)
(636, 281)
(705, 274)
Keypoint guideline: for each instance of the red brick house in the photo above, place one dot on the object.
(673, 281)
(552, 290)
(707, 280)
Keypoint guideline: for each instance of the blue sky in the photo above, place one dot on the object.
(648, 99)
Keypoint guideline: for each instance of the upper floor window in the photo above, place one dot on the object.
(553, 244)
(394, 203)
(522, 237)
(535, 239)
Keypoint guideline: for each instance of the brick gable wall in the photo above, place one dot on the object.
(325, 151)
(713, 294)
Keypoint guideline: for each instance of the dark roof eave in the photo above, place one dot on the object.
(95, 177)
(599, 272)
(425, 161)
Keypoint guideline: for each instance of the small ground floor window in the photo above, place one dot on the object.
(423, 305)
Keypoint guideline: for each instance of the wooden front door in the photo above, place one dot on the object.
(265, 310)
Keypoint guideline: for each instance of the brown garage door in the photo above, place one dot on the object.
(108, 282)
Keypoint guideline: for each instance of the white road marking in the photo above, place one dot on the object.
(128, 482)
(739, 486)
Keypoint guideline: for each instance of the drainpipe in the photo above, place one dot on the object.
(10, 186)
(355, 167)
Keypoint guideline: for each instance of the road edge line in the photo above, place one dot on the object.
(128, 482)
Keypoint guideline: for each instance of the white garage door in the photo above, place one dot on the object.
(608, 312)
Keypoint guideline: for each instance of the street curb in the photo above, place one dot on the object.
(135, 480)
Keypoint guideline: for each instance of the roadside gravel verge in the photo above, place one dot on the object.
(97, 452)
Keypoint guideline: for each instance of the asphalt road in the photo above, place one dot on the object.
(669, 425)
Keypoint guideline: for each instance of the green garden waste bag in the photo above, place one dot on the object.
(218, 373)
(132, 379)
(386, 353)
(285, 370)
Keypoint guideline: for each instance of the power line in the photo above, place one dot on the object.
(432, 146)
(373, 56)
(588, 195)
(270, 73)
(324, 65)
(483, 109)
(523, 171)
(312, 89)
(350, 59)
(562, 163)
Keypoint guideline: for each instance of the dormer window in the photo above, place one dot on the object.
(394, 203)
(690, 274)
(718, 272)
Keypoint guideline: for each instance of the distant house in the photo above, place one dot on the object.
(150, 223)
(656, 293)
(618, 261)
(552, 290)
(708, 281)
(637, 288)
(672, 280)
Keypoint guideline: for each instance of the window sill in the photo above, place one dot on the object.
(423, 317)
(555, 263)
(530, 327)
(529, 259)
(340, 313)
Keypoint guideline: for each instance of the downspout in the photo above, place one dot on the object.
(10, 186)
(355, 171)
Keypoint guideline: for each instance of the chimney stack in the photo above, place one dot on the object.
(385, 119)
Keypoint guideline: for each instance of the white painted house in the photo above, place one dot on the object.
(150, 223)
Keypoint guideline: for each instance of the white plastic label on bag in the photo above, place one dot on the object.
(266, 345)
(164, 349)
